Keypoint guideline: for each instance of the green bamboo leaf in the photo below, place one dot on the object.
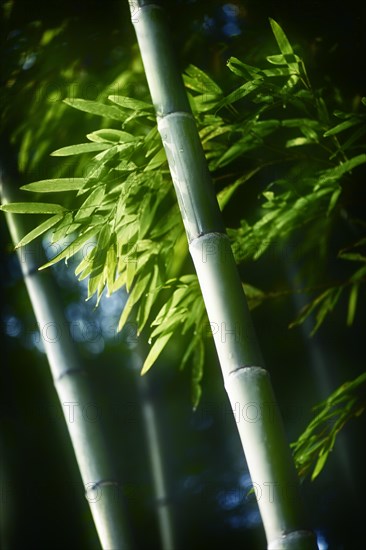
(79, 149)
(148, 210)
(333, 199)
(141, 286)
(352, 303)
(111, 263)
(157, 160)
(352, 256)
(111, 135)
(281, 39)
(96, 108)
(359, 275)
(283, 71)
(225, 194)
(298, 142)
(55, 185)
(42, 228)
(91, 203)
(341, 127)
(189, 352)
(322, 111)
(280, 59)
(356, 135)
(197, 373)
(308, 309)
(155, 351)
(63, 228)
(74, 247)
(242, 69)
(254, 295)
(320, 463)
(197, 80)
(32, 208)
(150, 298)
(241, 92)
(250, 141)
(104, 237)
(301, 122)
(131, 267)
(169, 324)
(131, 103)
(84, 268)
(336, 173)
(213, 130)
(95, 283)
(326, 306)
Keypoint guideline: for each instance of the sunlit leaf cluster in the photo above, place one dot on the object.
(312, 448)
(118, 214)
(274, 121)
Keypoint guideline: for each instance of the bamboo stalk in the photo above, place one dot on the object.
(102, 489)
(246, 380)
(153, 441)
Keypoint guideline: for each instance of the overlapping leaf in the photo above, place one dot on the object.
(123, 224)
(312, 448)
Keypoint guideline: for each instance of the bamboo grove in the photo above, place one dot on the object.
(120, 218)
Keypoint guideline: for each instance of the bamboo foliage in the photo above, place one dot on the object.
(246, 381)
(123, 210)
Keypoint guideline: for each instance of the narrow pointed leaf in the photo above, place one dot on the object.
(111, 262)
(139, 288)
(91, 203)
(336, 173)
(79, 149)
(42, 228)
(319, 465)
(280, 59)
(341, 127)
(96, 108)
(130, 103)
(150, 298)
(281, 38)
(155, 351)
(111, 135)
(74, 247)
(352, 303)
(55, 185)
(242, 69)
(32, 208)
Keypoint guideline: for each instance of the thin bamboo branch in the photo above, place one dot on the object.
(246, 381)
(71, 380)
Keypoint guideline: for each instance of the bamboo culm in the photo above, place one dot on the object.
(102, 489)
(153, 442)
(246, 380)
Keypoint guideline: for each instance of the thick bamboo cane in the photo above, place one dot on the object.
(246, 380)
(102, 490)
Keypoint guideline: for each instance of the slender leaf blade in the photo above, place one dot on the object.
(79, 149)
(32, 208)
(58, 185)
(74, 247)
(39, 230)
(155, 351)
(96, 108)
